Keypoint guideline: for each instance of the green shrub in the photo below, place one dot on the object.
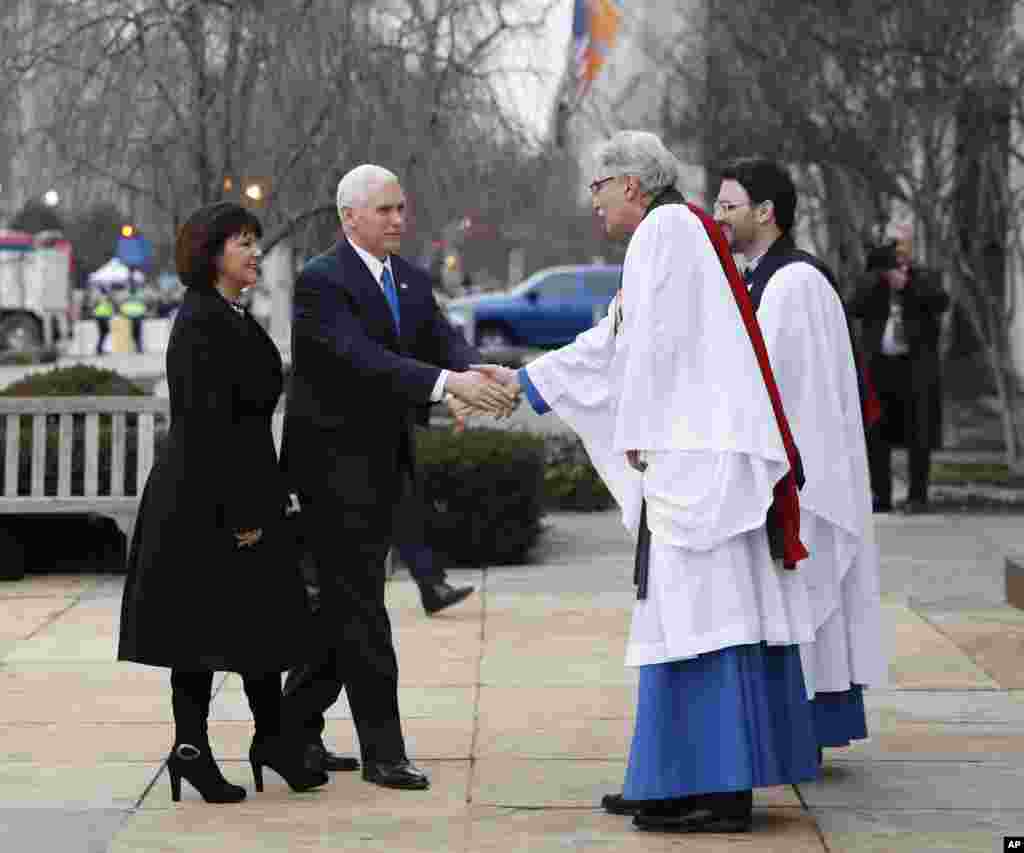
(78, 380)
(484, 493)
(570, 480)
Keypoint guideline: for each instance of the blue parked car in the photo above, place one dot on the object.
(549, 309)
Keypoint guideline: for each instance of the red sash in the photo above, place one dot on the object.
(785, 503)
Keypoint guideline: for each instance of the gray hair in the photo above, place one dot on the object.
(638, 153)
(355, 188)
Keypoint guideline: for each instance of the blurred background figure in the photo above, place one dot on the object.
(899, 307)
(102, 311)
(133, 307)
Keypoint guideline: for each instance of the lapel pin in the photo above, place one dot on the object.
(403, 286)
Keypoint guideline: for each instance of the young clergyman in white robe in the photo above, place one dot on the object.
(808, 340)
(722, 701)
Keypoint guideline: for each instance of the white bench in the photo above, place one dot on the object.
(114, 502)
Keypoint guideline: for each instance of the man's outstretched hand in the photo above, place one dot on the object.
(481, 393)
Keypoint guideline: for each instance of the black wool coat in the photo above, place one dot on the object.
(924, 301)
(192, 598)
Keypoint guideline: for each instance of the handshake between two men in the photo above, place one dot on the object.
(484, 389)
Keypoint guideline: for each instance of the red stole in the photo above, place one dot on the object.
(785, 504)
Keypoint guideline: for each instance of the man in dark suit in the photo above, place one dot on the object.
(369, 346)
(899, 307)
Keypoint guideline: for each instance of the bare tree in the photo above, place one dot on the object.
(881, 106)
(175, 103)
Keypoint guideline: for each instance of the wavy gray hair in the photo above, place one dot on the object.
(638, 153)
(355, 187)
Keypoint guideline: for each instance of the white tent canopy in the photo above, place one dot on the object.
(113, 271)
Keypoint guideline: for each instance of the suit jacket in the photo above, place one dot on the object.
(924, 301)
(357, 383)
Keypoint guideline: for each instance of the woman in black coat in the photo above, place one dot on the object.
(212, 584)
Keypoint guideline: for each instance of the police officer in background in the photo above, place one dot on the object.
(102, 311)
(133, 306)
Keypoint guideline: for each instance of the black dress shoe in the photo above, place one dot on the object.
(438, 596)
(730, 811)
(319, 757)
(880, 506)
(396, 774)
(915, 507)
(618, 804)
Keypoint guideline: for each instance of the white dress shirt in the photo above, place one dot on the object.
(376, 267)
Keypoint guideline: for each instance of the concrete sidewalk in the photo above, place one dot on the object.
(518, 704)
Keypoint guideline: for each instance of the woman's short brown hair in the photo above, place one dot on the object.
(201, 240)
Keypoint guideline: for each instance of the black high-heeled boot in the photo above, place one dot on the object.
(284, 755)
(191, 757)
(196, 764)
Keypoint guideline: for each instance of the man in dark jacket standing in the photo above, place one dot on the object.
(369, 346)
(899, 307)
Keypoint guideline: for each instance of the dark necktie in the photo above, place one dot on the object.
(748, 276)
(388, 286)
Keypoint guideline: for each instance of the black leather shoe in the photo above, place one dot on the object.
(319, 757)
(915, 507)
(880, 506)
(438, 596)
(396, 774)
(618, 804)
(719, 812)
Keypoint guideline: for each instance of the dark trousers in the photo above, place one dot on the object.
(899, 424)
(137, 333)
(103, 325)
(349, 549)
(411, 537)
(190, 701)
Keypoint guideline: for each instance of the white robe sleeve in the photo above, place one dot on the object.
(581, 382)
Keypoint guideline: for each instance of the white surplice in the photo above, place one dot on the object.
(808, 342)
(680, 381)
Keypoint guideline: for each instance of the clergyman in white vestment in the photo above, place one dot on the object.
(808, 340)
(670, 400)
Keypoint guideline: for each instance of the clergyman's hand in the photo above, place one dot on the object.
(482, 393)
(499, 373)
(635, 460)
(506, 376)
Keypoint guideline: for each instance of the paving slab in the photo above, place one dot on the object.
(776, 830)
(23, 616)
(993, 639)
(518, 704)
(60, 829)
(916, 785)
(49, 586)
(501, 704)
(75, 787)
(920, 656)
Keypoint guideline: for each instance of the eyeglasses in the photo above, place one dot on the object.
(729, 206)
(595, 186)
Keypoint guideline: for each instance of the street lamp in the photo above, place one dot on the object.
(254, 192)
(127, 231)
(51, 198)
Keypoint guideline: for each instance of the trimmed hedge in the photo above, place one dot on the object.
(570, 480)
(79, 380)
(484, 492)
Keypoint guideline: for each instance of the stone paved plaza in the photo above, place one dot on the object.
(518, 704)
